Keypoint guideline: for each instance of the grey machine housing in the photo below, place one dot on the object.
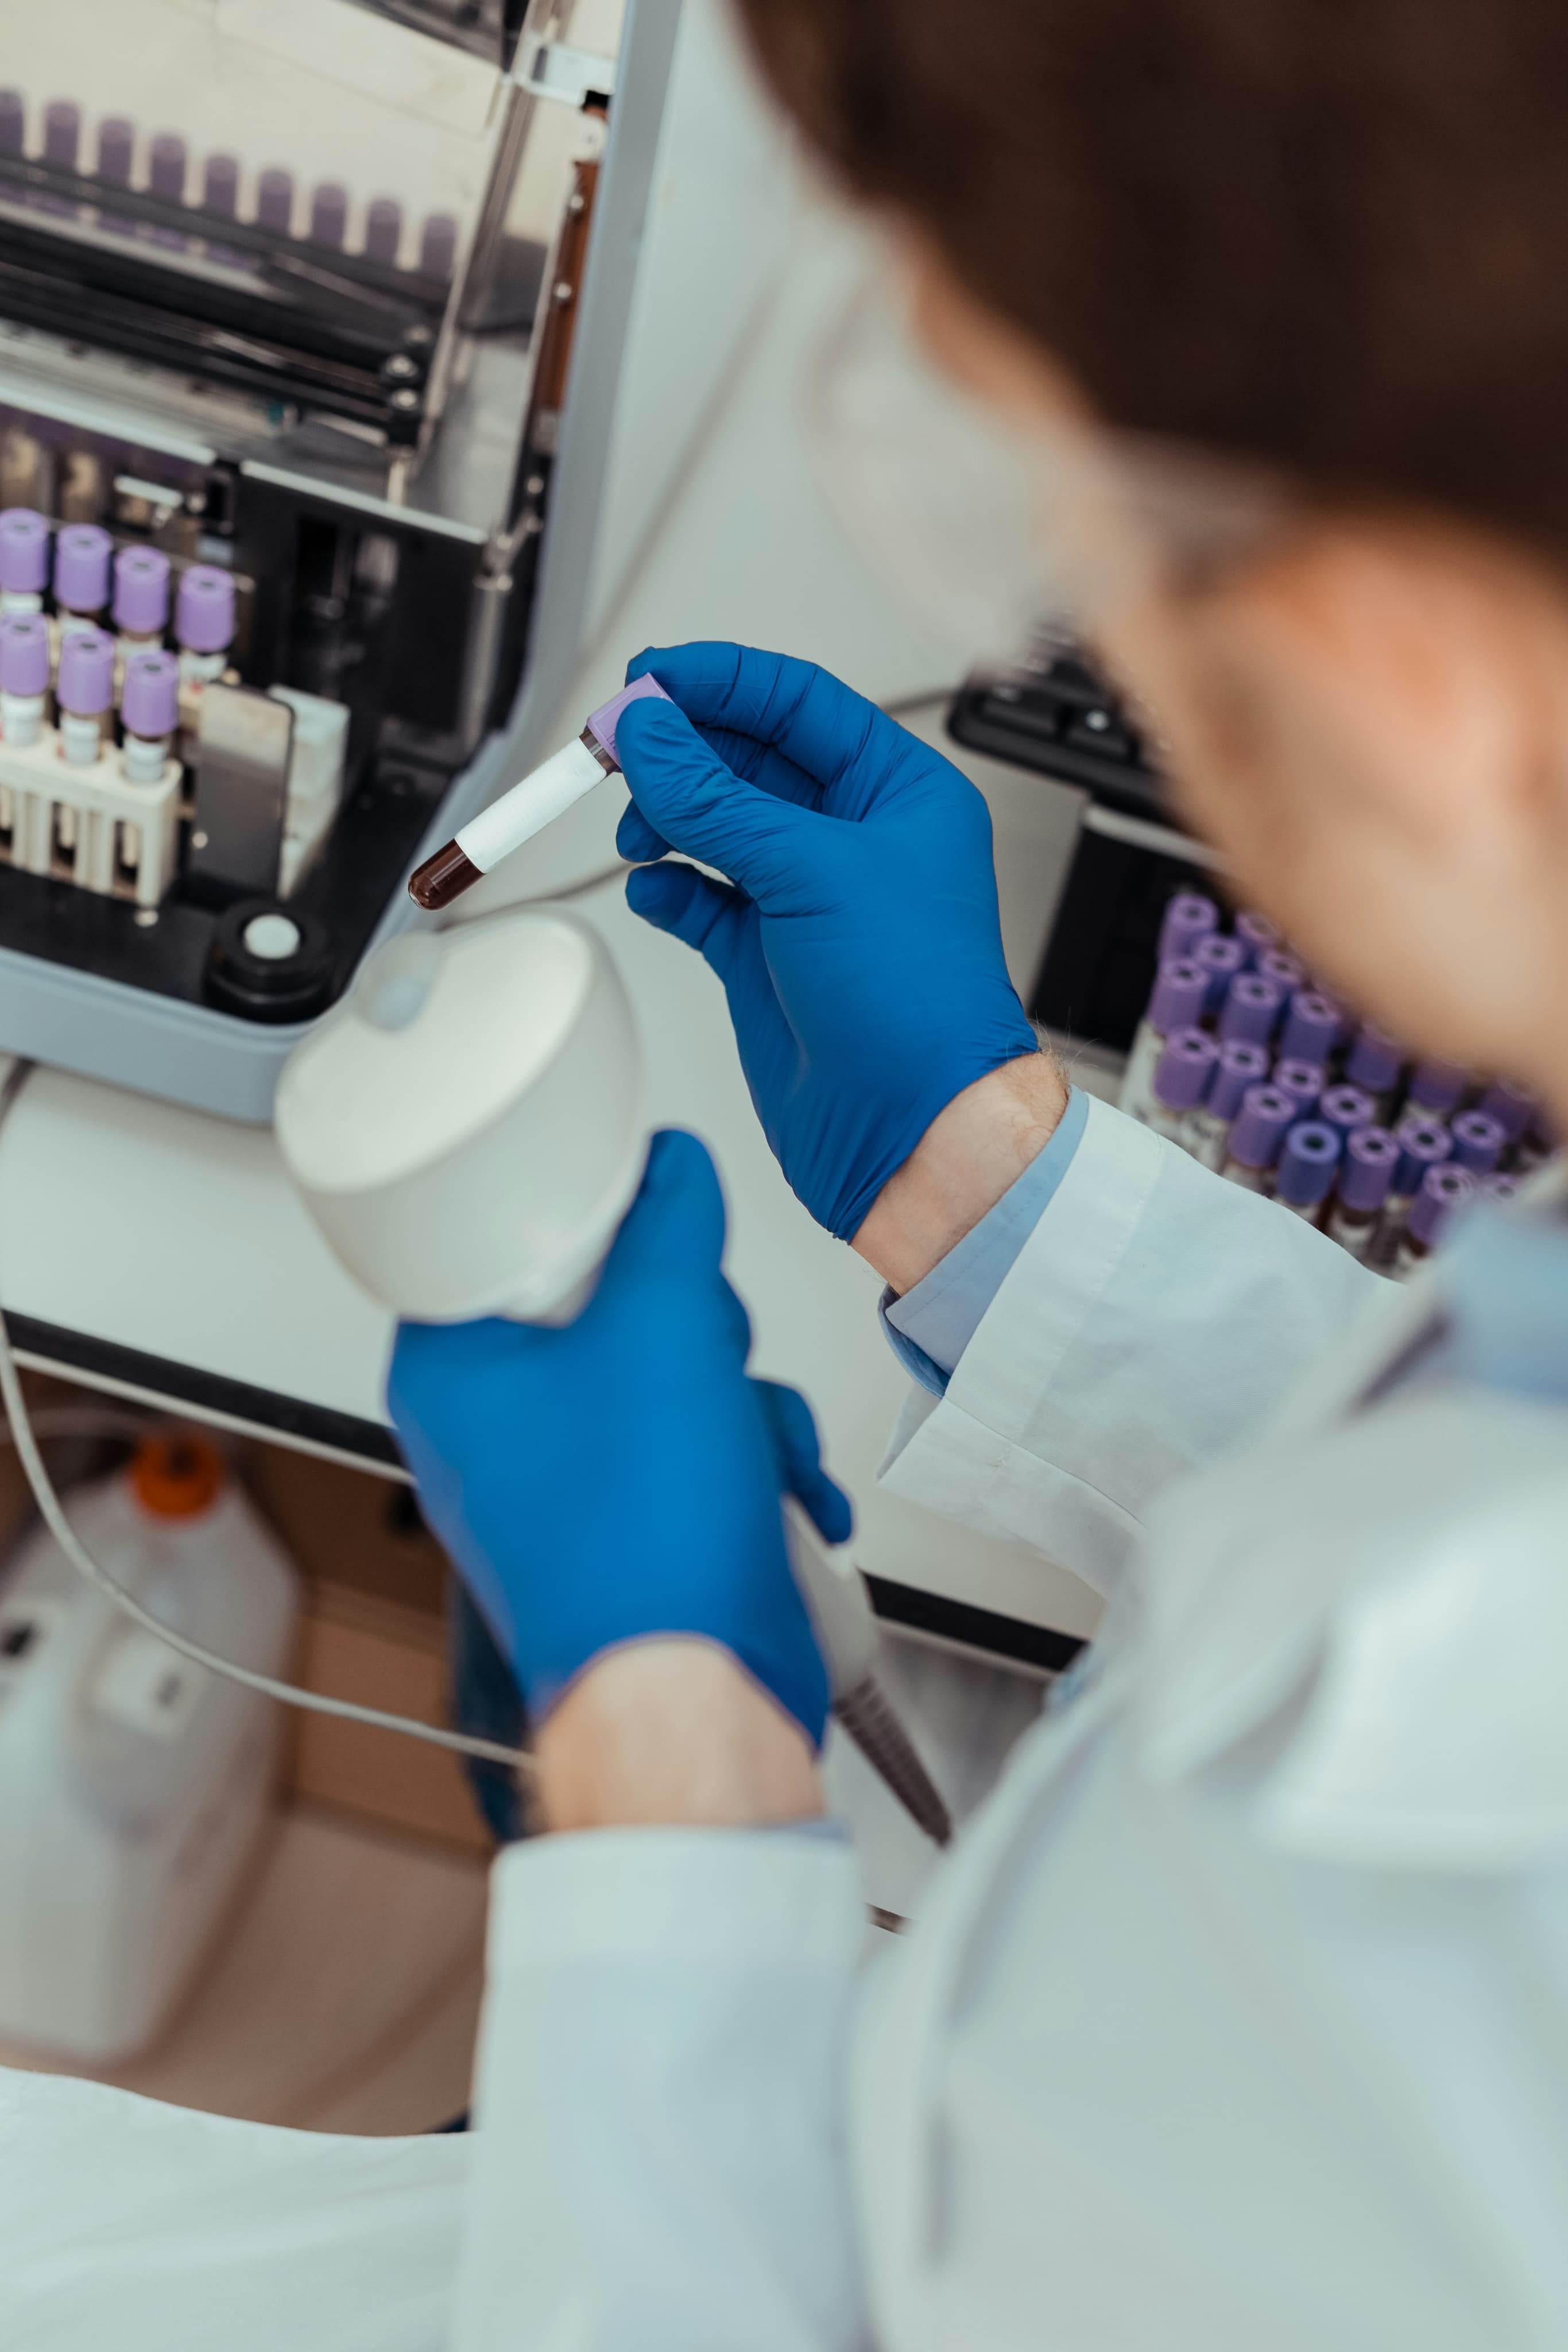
(517, 581)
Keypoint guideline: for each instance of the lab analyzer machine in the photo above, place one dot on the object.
(311, 324)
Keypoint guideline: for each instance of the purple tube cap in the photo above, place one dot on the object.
(1313, 1027)
(149, 703)
(1478, 1140)
(1307, 1164)
(1184, 1069)
(140, 590)
(24, 550)
(1187, 918)
(1240, 1065)
(1303, 1080)
(82, 557)
(1366, 1171)
(1257, 932)
(1251, 1008)
(204, 608)
(1348, 1108)
(1438, 1086)
(602, 723)
(1423, 1142)
(1264, 1116)
(1443, 1190)
(1374, 1060)
(1279, 965)
(24, 653)
(86, 684)
(1180, 987)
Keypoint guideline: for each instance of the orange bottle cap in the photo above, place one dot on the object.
(176, 1475)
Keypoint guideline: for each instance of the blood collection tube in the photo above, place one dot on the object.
(62, 133)
(275, 199)
(23, 677)
(24, 559)
(383, 229)
(438, 245)
(1443, 1190)
(1510, 1106)
(1251, 1009)
(220, 201)
(1478, 1140)
(140, 598)
(1222, 956)
(1176, 1002)
(1303, 1081)
(529, 806)
(149, 711)
(1347, 1108)
(1305, 1178)
(1182, 1079)
(1375, 1062)
(203, 622)
(1366, 1171)
(1313, 1027)
(1423, 1143)
(1256, 1135)
(1257, 932)
(1288, 971)
(83, 554)
(1188, 918)
(1435, 1089)
(83, 691)
(116, 150)
(167, 160)
(330, 214)
(1237, 1067)
(12, 122)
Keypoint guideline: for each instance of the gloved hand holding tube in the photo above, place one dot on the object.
(857, 934)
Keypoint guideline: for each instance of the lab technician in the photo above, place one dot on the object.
(1238, 2018)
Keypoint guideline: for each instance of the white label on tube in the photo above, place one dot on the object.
(529, 806)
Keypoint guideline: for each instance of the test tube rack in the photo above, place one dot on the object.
(86, 822)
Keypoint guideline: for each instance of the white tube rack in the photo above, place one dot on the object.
(85, 823)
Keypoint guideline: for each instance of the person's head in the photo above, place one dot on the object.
(1327, 239)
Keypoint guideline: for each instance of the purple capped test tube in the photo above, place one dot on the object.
(62, 144)
(1256, 1134)
(1313, 1027)
(1222, 956)
(383, 230)
(1181, 1081)
(1188, 918)
(24, 559)
(1238, 1067)
(1288, 971)
(205, 622)
(83, 691)
(82, 557)
(1257, 932)
(1305, 1175)
(149, 711)
(116, 150)
(1510, 1106)
(141, 596)
(275, 200)
(1375, 1062)
(1423, 1143)
(1478, 1140)
(1347, 1107)
(1435, 1089)
(438, 245)
(1303, 1081)
(1251, 1009)
(1444, 1189)
(220, 202)
(330, 214)
(23, 677)
(1176, 1002)
(1365, 1176)
(12, 122)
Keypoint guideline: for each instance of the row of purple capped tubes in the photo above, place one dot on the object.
(79, 563)
(84, 686)
(168, 175)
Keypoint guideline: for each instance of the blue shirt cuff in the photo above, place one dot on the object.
(930, 1327)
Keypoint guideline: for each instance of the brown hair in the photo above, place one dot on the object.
(1327, 233)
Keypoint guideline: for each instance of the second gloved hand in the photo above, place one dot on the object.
(619, 1479)
(857, 934)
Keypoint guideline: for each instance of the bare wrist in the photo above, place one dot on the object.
(972, 1153)
(671, 1730)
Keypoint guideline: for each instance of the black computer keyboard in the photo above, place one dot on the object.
(1052, 713)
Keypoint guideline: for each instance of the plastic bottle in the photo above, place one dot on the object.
(1238, 1067)
(1182, 1079)
(24, 559)
(1251, 1009)
(1444, 1188)
(1366, 1171)
(1308, 1163)
(1256, 1135)
(1176, 1002)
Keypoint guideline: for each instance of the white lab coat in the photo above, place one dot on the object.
(1237, 2020)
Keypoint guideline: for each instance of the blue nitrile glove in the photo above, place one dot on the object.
(620, 1477)
(860, 948)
